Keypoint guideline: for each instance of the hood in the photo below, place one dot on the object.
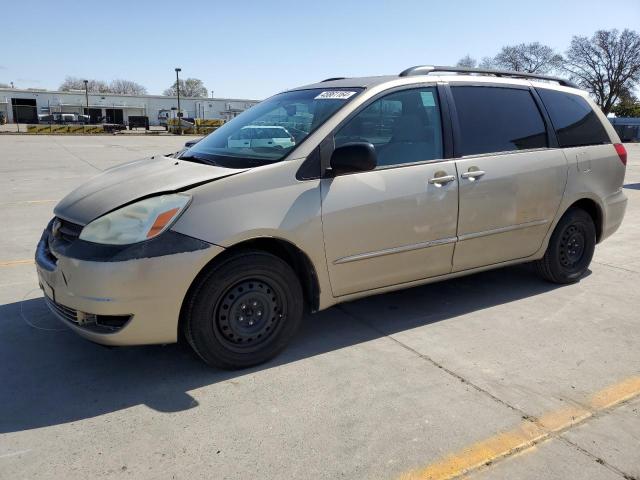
(132, 181)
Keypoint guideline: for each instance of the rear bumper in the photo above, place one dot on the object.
(614, 208)
(131, 302)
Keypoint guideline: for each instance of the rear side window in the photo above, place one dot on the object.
(495, 119)
(574, 120)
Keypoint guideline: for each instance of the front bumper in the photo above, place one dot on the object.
(135, 301)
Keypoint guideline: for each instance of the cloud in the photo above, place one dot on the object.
(2, 67)
(27, 80)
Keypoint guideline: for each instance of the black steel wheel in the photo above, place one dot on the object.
(571, 245)
(244, 310)
(570, 248)
(249, 314)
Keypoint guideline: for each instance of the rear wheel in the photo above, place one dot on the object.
(570, 248)
(244, 311)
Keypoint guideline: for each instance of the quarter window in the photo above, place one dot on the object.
(496, 119)
(403, 127)
(574, 120)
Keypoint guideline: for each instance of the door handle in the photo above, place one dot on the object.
(442, 180)
(473, 174)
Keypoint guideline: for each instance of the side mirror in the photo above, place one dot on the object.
(191, 143)
(353, 157)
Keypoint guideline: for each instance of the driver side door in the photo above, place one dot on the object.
(397, 223)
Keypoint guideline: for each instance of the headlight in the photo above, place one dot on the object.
(136, 222)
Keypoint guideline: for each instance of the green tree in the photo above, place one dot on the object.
(628, 106)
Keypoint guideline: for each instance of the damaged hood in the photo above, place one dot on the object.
(131, 181)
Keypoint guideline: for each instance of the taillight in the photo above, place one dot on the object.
(622, 152)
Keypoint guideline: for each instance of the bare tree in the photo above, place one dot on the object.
(126, 87)
(191, 87)
(93, 86)
(607, 64)
(118, 86)
(528, 57)
(487, 63)
(467, 62)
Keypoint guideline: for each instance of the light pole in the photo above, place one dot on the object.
(179, 114)
(86, 94)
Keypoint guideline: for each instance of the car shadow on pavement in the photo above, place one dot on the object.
(633, 186)
(55, 377)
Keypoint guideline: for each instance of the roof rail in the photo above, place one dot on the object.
(332, 79)
(427, 69)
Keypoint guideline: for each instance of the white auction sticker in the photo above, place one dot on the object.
(334, 95)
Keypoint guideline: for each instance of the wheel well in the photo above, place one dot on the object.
(296, 259)
(594, 211)
(288, 252)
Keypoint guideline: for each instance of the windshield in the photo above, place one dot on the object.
(267, 132)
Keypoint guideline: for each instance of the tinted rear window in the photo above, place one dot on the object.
(494, 119)
(575, 122)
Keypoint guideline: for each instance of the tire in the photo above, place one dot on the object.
(570, 248)
(244, 310)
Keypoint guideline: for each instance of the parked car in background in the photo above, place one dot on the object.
(394, 181)
(261, 136)
(628, 128)
(163, 116)
(63, 118)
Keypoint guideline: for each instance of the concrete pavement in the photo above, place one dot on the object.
(377, 388)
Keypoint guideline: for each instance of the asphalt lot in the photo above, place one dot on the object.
(440, 377)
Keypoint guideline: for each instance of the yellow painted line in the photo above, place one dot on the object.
(40, 201)
(28, 202)
(13, 263)
(526, 435)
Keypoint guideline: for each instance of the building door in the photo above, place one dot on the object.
(24, 110)
(114, 115)
(95, 114)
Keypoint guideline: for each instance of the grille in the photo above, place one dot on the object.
(89, 321)
(68, 314)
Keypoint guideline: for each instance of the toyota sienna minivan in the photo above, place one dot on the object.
(388, 182)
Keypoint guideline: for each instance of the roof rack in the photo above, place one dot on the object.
(332, 79)
(427, 69)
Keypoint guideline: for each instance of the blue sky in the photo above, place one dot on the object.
(251, 49)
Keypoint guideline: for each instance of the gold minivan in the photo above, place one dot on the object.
(385, 183)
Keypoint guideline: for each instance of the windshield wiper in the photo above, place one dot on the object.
(196, 159)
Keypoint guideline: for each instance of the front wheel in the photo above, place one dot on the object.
(570, 248)
(244, 311)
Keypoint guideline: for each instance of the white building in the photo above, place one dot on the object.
(24, 106)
